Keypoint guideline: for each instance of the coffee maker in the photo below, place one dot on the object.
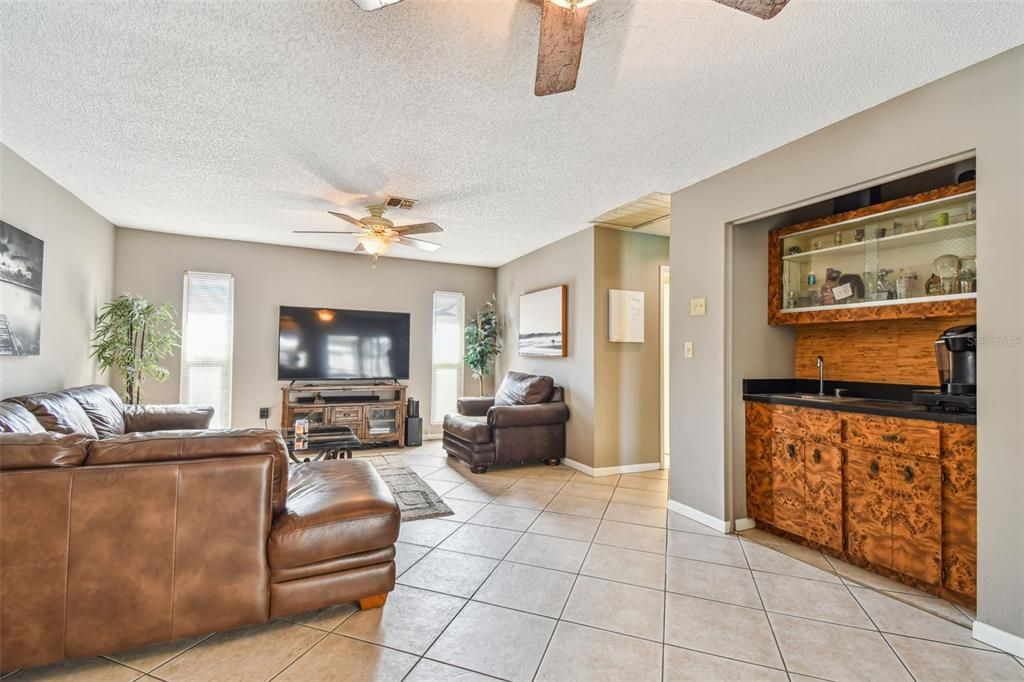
(956, 358)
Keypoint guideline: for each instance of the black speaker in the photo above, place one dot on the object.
(412, 408)
(413, 431)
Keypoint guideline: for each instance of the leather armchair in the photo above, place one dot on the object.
(110, 544)
(523, 422)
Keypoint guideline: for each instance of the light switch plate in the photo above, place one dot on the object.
(688, 349)
(698, 306)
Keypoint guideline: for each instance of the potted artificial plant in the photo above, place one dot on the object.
(133, 336)
(483, 341)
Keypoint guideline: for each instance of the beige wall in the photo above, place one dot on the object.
(78, 260)
(627, 376)
(981, 109)
(612, 389)
(569, 261)
(152, 264)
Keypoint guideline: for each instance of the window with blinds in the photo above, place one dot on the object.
(207, 333)
(446, 364)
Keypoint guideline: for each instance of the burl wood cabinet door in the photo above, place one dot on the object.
(823, 495)
(867, 487)
(917, 518)
(759, 461)
(788, 484)
(960, 509)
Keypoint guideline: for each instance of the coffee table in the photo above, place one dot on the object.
(337, 445)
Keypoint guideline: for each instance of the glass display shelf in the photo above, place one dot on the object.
(924, 252)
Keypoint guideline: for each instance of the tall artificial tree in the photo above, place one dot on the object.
(483, 341)
(133, 336)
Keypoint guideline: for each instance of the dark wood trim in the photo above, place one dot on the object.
(926, 309)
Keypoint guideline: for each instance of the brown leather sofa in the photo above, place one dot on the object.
(114, 536)
(523, 422)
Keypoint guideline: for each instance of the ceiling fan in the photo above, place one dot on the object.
(562, 24)
(377, 234)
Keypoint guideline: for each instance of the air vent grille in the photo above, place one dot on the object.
(399, 202)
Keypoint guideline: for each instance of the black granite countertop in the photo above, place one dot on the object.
(887, 400)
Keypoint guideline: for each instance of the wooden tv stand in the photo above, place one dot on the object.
(374, 411)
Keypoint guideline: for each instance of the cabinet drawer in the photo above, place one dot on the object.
(808, 423)
(903, 436)
(342, 415)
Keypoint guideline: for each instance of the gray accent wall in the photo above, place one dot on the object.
(568, 261)
(78, 262)
(153, 264)
(979, 110)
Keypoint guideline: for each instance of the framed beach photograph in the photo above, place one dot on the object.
(543, 319)
(21, 291)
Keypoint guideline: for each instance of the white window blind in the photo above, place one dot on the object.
(447, 345)
(207, 326)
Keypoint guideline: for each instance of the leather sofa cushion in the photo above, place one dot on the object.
(166, 417)
(103, 407)
(469, 429)
(334, 509)
(161, 446)
(14, 418)
(57, 412)
(518, 388)
(42, 450)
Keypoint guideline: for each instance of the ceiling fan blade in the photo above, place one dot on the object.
(324, 232)
(764, 9)
(419, 228)
(360, 248)
(418, 244)
(561, 48)
(348, 219)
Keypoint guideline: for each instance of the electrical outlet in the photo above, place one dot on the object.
(264, 413)
(698, 306)
(688, 349)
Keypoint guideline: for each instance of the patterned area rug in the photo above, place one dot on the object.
(415, 497)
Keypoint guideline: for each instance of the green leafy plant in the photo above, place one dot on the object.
(133, 336)
(483, 341)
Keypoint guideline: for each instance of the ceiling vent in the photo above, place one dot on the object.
(637, 214)
(399, 202)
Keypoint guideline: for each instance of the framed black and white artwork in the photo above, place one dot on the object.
(21, 291)
(542, 323)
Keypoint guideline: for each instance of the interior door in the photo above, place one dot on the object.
(823, 497)
(868, 490)
(788, 484)
(917, 518)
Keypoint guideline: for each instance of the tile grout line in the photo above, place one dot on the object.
(880, 634)
(764, 609)
(467, 602)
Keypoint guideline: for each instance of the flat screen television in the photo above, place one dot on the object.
(327, 344)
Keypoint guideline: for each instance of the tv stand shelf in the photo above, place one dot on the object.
(374, 411)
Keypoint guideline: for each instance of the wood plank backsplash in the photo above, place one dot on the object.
(889, 351)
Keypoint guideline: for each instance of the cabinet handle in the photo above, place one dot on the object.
(791, 449)
(892, 438)
(908, 474)
(874, 467)
(817, 456)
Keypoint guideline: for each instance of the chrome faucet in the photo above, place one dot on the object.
(821, 375)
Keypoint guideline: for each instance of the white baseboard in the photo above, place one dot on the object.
(700, 517)
(610, 471)
(1000, 639)
(745, 523)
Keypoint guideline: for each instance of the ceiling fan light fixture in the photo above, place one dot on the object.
(573, 4)
(375, 244)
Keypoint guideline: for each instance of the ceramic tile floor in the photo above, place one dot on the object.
(546, 574)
